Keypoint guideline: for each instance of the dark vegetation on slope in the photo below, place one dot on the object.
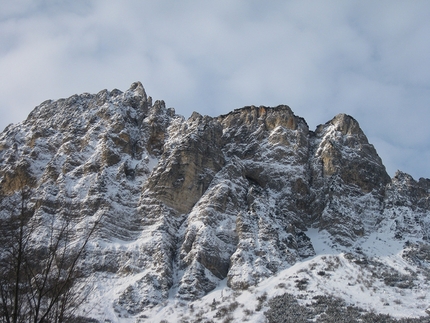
(326, 309)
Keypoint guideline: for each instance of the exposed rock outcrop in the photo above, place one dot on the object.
(189, 202)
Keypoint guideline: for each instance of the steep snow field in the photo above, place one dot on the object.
(355, 278)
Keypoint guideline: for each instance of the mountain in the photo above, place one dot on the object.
(245, 216)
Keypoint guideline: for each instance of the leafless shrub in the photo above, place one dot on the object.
(281, 285)
(302, 284)
(39, 281)
(248, 312)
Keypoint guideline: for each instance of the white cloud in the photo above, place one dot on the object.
(364, 58)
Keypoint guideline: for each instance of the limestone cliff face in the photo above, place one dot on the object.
(189, 202)
(191, 157)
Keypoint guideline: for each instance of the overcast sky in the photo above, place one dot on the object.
(369, 59)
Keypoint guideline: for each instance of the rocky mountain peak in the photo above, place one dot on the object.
(268, 118)
(137, 90)
(346, 124)
(188, 204)
(344, 150)
(136, 96)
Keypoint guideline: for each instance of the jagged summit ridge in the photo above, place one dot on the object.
(189, 203)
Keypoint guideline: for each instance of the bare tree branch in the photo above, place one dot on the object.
(38, 280)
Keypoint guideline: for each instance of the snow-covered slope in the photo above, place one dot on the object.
(223, 218)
